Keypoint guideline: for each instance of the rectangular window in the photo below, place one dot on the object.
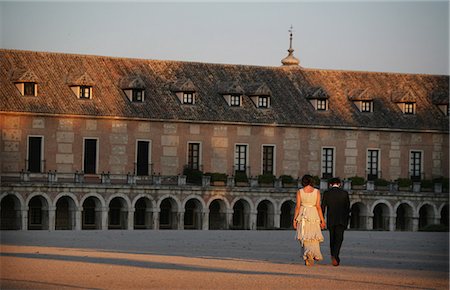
(90, 156)
(263, 102)
(28, 89)
(409, 108)
(366, 106)
(194, 156)
(268, 159)
(142, 158)
(240, 158)
(35, 154)
(416, 165)
(321, 105)
(235, 100)
(188, 98)
(327, 162)
(85, 92)
(372, 164)
(137, 95)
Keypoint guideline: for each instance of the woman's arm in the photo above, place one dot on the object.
(297, 209)
(319, 210)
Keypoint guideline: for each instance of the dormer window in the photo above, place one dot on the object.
(188, 98)
(85, 92)
(409, 108)
(25, 81)
(137, 95)
(29, 89)
(318, 98)
(235, 100)
(440, 99)
(263, 101)
(366, 106)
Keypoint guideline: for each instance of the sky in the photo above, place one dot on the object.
(380, 36)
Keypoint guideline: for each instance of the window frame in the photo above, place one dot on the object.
(238, 158)
(263, 165)
(41, 161)
(263, 101)
(149, 156)
(82, 90)
(369, 159)
(134, 97)
(366, 106)
(321, 104)
(190, 157)
(233, 98)
(29, 85)
(188, 98)
(409, 108)
(324, 163)
(96, 151)
(413, 166)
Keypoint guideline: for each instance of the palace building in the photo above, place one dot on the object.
(93, 142)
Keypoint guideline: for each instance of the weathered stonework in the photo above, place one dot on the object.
(38, 123)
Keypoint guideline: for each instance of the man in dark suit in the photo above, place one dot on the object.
(336, 203)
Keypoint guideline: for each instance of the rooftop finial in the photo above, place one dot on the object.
(290, 59)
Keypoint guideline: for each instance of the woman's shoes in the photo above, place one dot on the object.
(309, 262)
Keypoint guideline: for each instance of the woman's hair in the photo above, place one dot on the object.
(307, 180)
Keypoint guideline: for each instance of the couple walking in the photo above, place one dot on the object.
(309, 218)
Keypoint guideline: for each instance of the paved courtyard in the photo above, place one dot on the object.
(218, 260)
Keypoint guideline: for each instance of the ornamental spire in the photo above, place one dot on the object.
(290, 60)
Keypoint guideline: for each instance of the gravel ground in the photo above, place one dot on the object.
(218, 260)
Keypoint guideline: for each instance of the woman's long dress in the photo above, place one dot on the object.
(309, 233)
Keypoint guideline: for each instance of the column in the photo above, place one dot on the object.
(229, 218)
(180, 219)
(253, 215)
(105, 218)
(51, 218)
(205, 219)
(369, 222)
(24, 218)
(415, 223)
(130, 219)
(392, 223)
(78, 212)
(276, 219)
(156, 218)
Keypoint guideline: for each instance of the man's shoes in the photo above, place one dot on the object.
(334, 261)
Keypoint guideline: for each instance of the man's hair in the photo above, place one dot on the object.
(335, 180)
(307, 180)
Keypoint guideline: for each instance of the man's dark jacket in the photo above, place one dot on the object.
(337, 203)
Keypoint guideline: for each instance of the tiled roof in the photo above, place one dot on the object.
(289, 87)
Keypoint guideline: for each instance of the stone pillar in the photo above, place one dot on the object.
(205, 219)
(180, 219)
(148, 218)
(415, 223)
(156, 218)
(369, 222)
(104, 218)
(229, 218)
(51, 218)
(276, 219)
(391, 223)
(253, 216)
(78, 212)
(130, 219)
(24, 218)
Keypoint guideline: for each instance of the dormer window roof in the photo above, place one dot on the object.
(25, 81)
(362, 99)
(232, 93)
(185, 90)
(318, 98)
(260, 95)
(134, 88)
(406, 101)
(81, 85)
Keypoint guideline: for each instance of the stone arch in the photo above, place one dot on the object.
(66, 205)
(242, 210)
(287, 211)
(381, 211)
(143, 206)
(250, 202)
(23, 204)
(194, 207)
(265, 216)
(168, 206)
(11, 205)
(118, 208)
(92, 206)
(359, 214)
(218, 208)
(433, 206)
(39, 205)
(427, 214)
(404, 215)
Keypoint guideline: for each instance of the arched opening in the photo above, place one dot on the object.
(118, 214)
(381, 217)
(38, 213)
(11, 215)
(265, 215)
(241, 215)
(404, 219)
(444, 215)
(426, 216)
(193, 215)
(168, 214)
(358, 218)
(217, 215)
(92, 214)
(287, 214)
(143, 215)
(65, 214)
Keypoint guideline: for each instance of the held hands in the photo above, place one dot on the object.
(323, 225)
(294, 223)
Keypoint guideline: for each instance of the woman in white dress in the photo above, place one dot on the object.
(308, 220)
